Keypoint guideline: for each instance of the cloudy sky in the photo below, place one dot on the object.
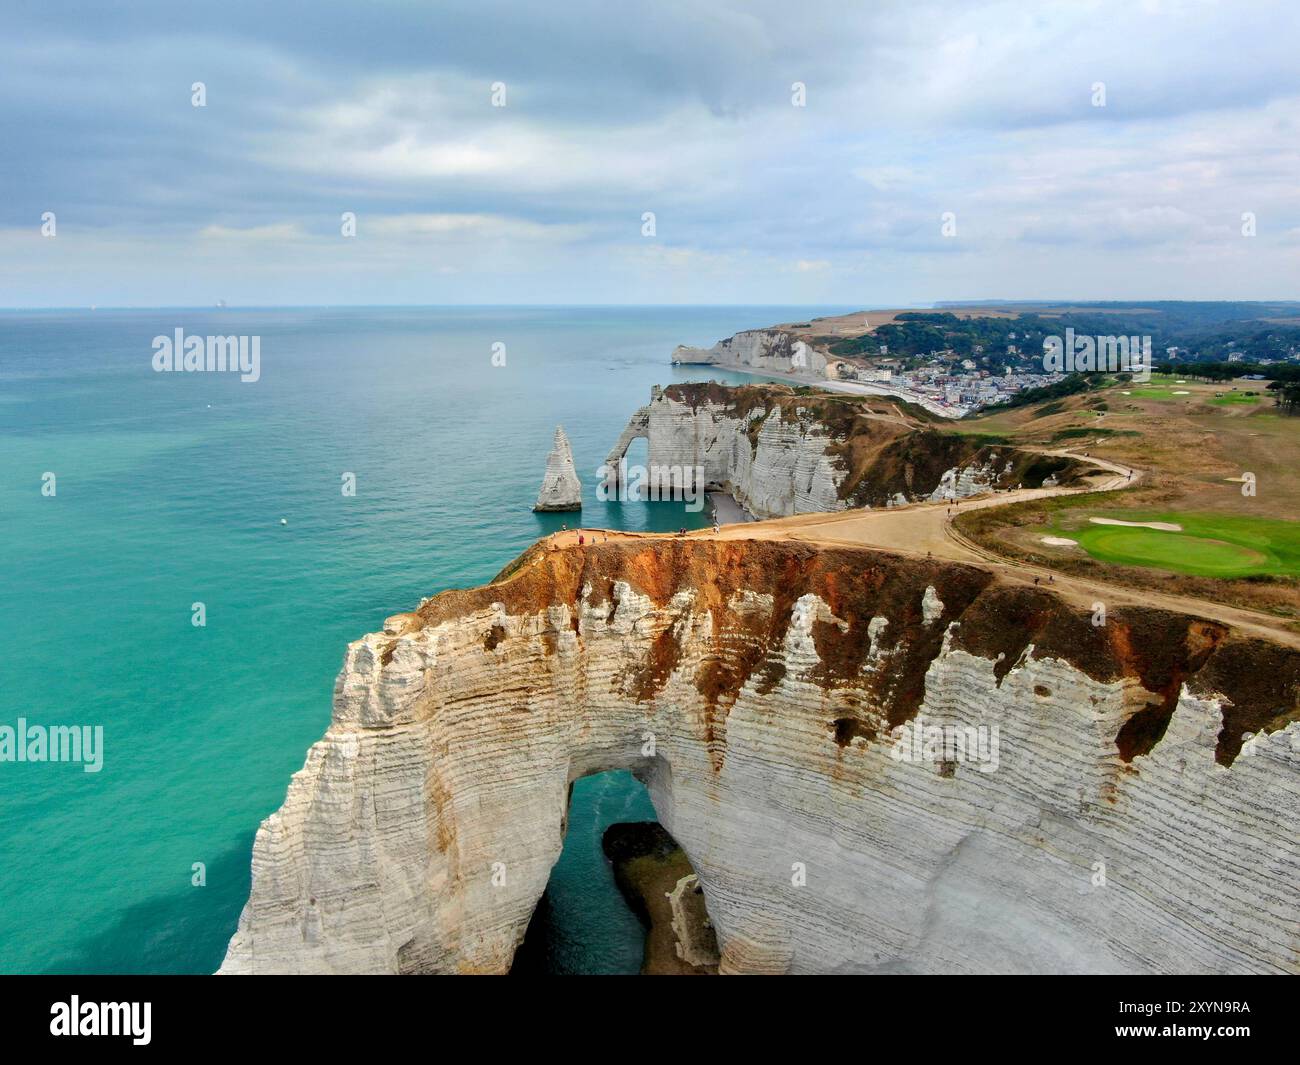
(683, 108)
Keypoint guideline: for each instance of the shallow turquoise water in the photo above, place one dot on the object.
(170, 491)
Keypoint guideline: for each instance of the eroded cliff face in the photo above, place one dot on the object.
(1139, 818)
(769, 350)
(779, 453)
(773, 459)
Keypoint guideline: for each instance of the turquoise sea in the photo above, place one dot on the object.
(170, 489)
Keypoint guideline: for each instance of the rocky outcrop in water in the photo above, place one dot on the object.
(873, 764)
(561, 489)
(657, 881)
(693, 940)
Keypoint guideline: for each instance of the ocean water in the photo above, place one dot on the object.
(583, 926)
(170, 489)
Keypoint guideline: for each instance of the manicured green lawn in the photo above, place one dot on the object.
(1161, 386)
(1160, 393)
(1210, 545)
(1231, 399)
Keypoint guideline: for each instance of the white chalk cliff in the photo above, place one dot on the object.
(758, 350)
(783, 468)
(778, 453)
(1137, 815)
(561, 489)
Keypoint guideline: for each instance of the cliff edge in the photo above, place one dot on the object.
(873, 764)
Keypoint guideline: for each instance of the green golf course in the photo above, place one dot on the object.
(1239, 399)
(1209, 545)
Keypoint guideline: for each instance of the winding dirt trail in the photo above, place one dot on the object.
(925, 530)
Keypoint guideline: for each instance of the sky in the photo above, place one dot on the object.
(868, 154)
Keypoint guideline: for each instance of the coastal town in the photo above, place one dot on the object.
(959, 360)
(944, 383)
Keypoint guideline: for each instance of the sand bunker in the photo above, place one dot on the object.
(1184, 392)
(1163, 526)
(1059, 541)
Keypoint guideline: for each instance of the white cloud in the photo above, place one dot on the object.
(280, 231)
(471, 226)
(980, 108)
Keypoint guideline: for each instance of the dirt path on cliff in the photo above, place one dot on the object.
(926, 530)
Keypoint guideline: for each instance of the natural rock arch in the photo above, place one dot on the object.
(769, 676)
(637, 428)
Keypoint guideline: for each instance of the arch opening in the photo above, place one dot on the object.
(606, 908)
(635, 458)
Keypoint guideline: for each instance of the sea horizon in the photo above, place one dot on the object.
(170, 492)
(581, 490)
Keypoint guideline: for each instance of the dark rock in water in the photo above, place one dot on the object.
(637, 839)
(649, 866)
